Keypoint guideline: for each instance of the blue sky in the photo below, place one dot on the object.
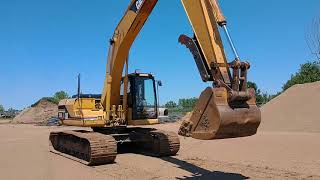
(45, 44)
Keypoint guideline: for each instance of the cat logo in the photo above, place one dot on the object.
(137, 5)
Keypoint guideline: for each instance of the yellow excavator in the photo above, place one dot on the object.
(226, 110)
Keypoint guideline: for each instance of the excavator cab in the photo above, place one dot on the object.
(142, 99)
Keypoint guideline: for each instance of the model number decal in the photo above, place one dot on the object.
(137, 6)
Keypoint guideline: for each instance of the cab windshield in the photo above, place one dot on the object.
(145, 99)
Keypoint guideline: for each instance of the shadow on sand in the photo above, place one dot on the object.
(200, 173)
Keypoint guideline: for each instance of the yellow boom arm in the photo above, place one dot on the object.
(124, 35)
(204, 15)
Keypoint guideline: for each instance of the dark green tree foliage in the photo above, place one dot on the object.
(1, 109)
(171, 104)
(187, 103)
(262, 98)
(60, 95)
(308, 73)
(254, 86)
(184, 105)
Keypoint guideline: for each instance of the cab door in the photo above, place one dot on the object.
(144, 101)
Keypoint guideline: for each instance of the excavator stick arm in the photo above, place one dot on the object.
(202, 66)
(228, 109)
(203, 21)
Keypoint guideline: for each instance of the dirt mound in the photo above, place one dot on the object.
(297, 109)
(40, 112)
(186, 117)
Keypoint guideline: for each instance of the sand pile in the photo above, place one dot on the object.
(41, 112)
(186, 117)
(297, 109)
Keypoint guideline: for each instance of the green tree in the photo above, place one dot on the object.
(60, 95)
(171, 104)
(1, 109)
(261, 98)
(254, 86)
(187, 103)
(308, 73)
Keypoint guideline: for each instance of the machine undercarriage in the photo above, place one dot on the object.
(101, 145)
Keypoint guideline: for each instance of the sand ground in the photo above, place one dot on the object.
(24, 155)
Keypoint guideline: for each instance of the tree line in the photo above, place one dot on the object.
(184, 103)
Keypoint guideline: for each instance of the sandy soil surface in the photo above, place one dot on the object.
(24, 155)
(5, 121)
(295, 110)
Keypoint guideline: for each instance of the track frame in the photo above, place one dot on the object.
(110, 141)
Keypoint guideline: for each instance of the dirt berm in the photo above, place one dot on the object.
(295, 110)
(39, 113)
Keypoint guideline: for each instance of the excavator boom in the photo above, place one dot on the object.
(120, 44)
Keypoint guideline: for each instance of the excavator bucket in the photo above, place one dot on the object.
(216, 118)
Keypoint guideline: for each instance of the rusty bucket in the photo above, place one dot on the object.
(214, 117)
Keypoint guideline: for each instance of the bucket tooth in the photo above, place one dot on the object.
(216, 118)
